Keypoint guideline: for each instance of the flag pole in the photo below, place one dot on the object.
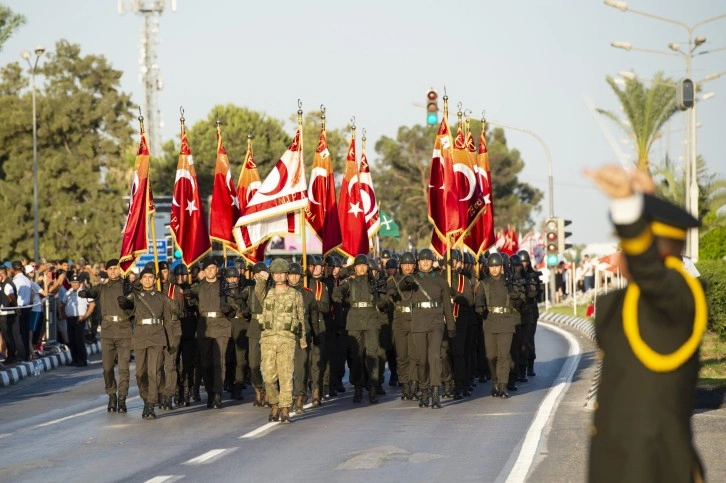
(303, 235)
(151, 216)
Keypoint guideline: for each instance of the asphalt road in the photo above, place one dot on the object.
(55, 427)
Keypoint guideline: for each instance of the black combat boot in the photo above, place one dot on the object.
(285, 415)
(197, 395)
(122, 404)
(217, 402)
(423, 401)
(503, 391)
(112, 403)
(522, 374)
(210, 400)
(258, 402)
(373, 395)
(466, 390)
(406, 391)
(414, 391)
(358, 394)
(150, 414)
(328, 392)
(316, 397)
(380, 391)
(340, 388)
(274, 413)
(145, 411)
(298, 404)
(458, 392)
(530, 369)
(435, 397)
(188, 397)
(495, 388)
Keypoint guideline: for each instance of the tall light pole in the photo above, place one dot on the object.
(691, 170)
(39, 50)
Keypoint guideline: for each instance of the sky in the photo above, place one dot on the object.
(536, 65)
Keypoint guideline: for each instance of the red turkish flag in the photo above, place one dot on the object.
(322, 211)
(188, 226)
(350, 209)
(481, 236)
(443, 211)
(224, 209)
(248, 183)
(368, 196)
(141, 206)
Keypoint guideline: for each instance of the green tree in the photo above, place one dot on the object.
(713, 245)
(646, 110)
(402, 178)
(83, 136)
(269, 143)
(9, 23)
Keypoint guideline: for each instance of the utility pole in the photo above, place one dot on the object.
(150, 76)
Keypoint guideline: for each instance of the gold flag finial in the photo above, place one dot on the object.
(219, 124)
(467, 120)
(181, 119)
(141, 120)
(249, 140)
(446, 104)
(484, 121)
(322, 116)
(299, 113)
(363, 140)
(459, 114)
(352, 125)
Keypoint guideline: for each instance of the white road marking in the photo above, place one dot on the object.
(165, 478)
(209, 456)
(267, 426)
(83, 413)
(547, 408)
(5, 435)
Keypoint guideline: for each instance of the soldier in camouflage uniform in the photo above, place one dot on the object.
(253, 311)
(301, 374)
(282, 321)
(151, 310)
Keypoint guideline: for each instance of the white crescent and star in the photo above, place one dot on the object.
(317, 172)
(470, 177)
(183, 173)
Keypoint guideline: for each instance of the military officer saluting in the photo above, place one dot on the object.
(151, 309)
(650, 333)
(115, 335)
(283, 326)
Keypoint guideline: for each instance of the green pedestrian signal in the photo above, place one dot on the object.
(432, 107)
(177, 253)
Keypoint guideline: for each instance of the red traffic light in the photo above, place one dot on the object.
(432, 95)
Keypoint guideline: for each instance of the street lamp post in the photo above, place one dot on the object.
(39, 50)
(550, 189)
(691, 173)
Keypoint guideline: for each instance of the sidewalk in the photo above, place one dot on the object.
(563, 457)
(13, 374)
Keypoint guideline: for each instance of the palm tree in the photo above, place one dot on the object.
(646, 110)
(671, 185)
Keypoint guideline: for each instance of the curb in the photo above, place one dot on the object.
(587, 328)
(13, 375)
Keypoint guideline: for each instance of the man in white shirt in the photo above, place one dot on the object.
(36, 311)
(78, 310)
(22, 285)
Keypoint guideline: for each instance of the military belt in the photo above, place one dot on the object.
(174, 317)
(427, 305)
(403, 308)
(152, 321)
(113, 318)
(212, 315)
(500, 310)
(361, 305)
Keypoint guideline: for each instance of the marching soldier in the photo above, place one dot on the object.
(463, 310)
(151, 310)
(283, 326)
(432, 314)
(115, 336)
(213, 331)
(391, 270)
(253, 311)
(531, 309)
(385, 338)
(320, 309)
(334, 331)
(362, 326)
(400, 289)
(301, 374)
(238, 350)
(498, 300)
(185, 355)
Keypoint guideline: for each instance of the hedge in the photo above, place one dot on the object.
(713, 275)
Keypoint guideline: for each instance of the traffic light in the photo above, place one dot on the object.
(551, 246)
(169, 247)
(562, 235)
(685, 94)
(432, 107)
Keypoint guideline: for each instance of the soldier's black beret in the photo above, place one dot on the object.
(112, 262)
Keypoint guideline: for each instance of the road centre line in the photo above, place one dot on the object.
(209, 456)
